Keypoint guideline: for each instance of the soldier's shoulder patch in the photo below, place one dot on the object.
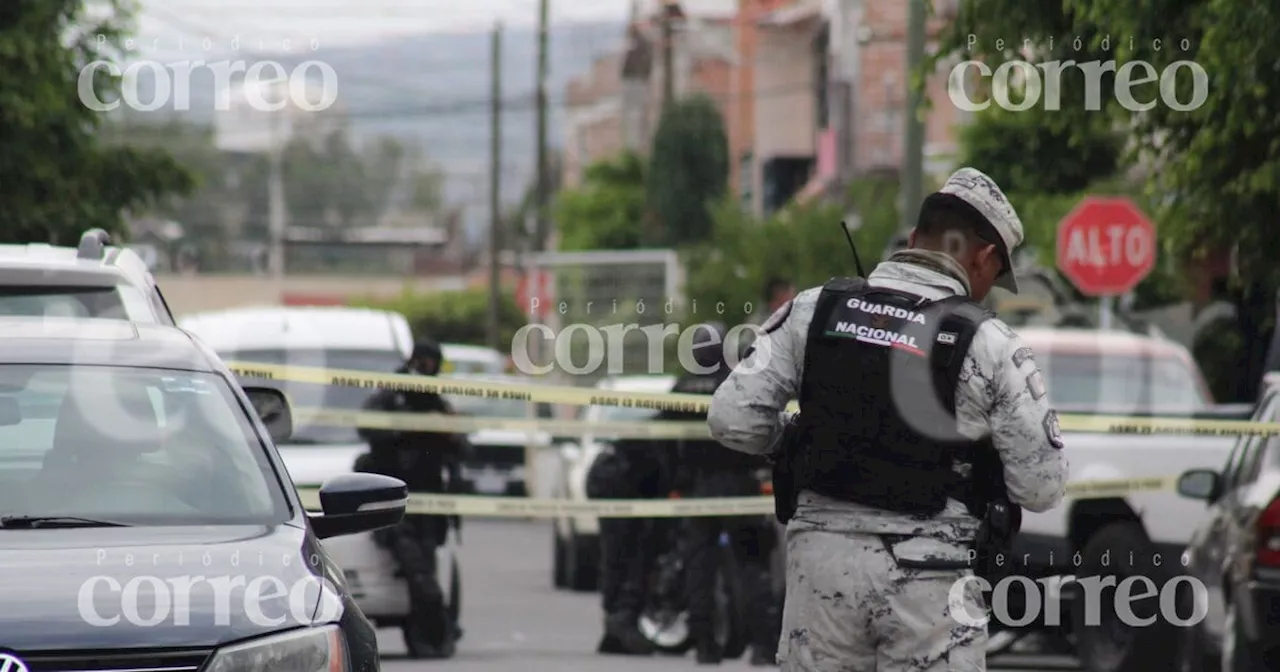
(777, 319)
(1022, 356)
(1053, 429)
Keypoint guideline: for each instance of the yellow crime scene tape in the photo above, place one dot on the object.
(579, 396)
(527, 507)
(437, 422)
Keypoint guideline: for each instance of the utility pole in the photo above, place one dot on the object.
(669, 9)
(495, 182)
(277, 211)
(542, 195)
(913, 135)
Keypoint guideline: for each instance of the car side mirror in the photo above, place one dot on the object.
(1202, 484)
(273, 410)
(359, 502)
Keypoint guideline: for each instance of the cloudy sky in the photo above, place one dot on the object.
(168, 25)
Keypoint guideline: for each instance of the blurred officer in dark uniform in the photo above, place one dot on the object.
(420, 459)
(707, 469)
(629, 469)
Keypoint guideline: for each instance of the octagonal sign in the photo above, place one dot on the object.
(1106, 246)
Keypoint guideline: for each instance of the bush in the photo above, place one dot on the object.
(455, 316)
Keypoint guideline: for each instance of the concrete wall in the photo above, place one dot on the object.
(195, 293)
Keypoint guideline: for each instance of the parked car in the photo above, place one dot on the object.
(338, 338)
(500, 459)
(94, 279)
(576, 563)
(151, 451)
(1235, 553)
(1116, 373)
(472, 359)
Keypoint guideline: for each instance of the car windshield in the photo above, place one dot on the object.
(121, 302)
(134, 445)
(310, 395)
(1117, 384)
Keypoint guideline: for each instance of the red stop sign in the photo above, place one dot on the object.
(1106, 246)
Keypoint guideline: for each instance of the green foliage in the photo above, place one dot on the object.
(1012, 148)
(56, 177)
(688, 170)
(607, 211)
(802, 243)
(453, 317)
(1213, 172)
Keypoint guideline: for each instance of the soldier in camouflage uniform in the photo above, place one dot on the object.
(850, 606)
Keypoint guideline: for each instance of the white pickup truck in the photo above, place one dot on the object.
(1118, 373)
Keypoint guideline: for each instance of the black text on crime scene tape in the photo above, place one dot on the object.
(652, 404)
(431, 388)
(1235, 430)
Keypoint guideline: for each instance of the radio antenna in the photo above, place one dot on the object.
(853, 248)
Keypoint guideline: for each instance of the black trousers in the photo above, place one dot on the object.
(413, 544)
(751, 542)
(626, 543)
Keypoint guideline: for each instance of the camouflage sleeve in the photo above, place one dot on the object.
(747, 410)
(1003, 392)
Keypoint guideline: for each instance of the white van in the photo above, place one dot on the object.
(337, 338)
(472, 360)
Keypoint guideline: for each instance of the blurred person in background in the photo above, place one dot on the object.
(628, 469)
(420, 459)
(707, 469)
(777, 292)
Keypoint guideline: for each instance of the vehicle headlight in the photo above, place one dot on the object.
(322, 649)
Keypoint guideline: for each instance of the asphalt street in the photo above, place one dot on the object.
(515, 621)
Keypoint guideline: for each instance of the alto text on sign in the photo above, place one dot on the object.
(1106, 246)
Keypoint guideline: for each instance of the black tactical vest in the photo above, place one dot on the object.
(877, 400)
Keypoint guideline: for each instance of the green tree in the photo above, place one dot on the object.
(688, 170)
(57, 176)
(606, 212)
(1012, 146)
(1209, 155)
(203, 211)
(802, 243)
(453, 317)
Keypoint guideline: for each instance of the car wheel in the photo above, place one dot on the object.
(582, 568)
(559, 573)
(1112, 645)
